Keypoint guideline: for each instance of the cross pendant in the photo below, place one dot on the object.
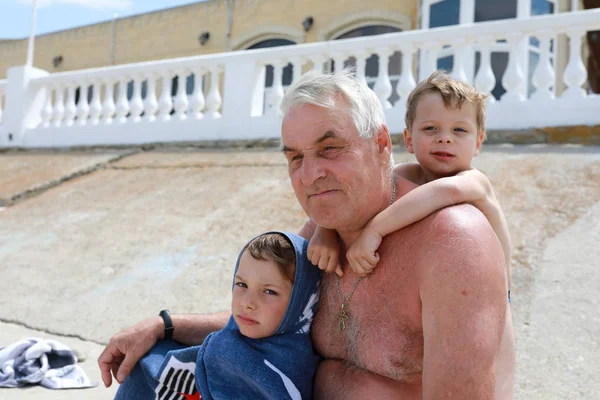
(343, 318)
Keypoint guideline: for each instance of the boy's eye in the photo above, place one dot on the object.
(241, 284)
(460, 129)
(428, 128)
(271, 292)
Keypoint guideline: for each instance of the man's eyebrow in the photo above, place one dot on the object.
(327, 135)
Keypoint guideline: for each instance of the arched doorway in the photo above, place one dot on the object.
(372, 64)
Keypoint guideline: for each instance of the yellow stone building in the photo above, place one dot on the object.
(216, 26)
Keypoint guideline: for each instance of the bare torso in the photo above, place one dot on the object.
(380, 353)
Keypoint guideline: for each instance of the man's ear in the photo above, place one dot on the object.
(384, 142)
(408, 142)
(479, 142)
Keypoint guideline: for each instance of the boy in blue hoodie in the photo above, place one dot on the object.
(264, 352)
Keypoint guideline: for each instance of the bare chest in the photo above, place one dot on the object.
(383, 332)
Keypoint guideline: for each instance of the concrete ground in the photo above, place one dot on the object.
(91, 242)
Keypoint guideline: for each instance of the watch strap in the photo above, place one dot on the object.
(166, 316)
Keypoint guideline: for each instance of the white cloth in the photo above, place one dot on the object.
(39, 361)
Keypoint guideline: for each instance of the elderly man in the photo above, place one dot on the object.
(432, 320)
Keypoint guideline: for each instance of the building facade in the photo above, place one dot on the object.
(217, 26)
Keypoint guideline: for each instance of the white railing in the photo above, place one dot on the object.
(135, 103)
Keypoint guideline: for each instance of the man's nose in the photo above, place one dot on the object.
(312, 170)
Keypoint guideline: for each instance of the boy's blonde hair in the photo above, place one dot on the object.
(454, 93)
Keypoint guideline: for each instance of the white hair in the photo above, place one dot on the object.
(321, 90)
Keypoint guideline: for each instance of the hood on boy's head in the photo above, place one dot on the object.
(305, 293)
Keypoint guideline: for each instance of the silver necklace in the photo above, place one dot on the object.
(343, 315)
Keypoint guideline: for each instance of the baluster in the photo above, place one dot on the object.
(383, 86)
(361, 62)
(338, 59)
(459, 48)
(181, 99)
(108, 107)
(150, 103)
(485, 81)
(575, 74)
(59, 107)
(2, 105)
(122, 102)
(47, 110)
(198, 101)
(318, 62)
(543, 77)
(513, 76)
(406, 83)
(213, 101)
(296, 69)
(136, 105)
(70, 107)
(83, 108)
(432, 49)
(96, 105)
(276, 95)
(165, 104)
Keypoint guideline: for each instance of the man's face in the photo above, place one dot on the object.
(260, 297)
(443, 139)
(334, 172)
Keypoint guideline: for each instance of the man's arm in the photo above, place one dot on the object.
(126, 348)
(463, 295)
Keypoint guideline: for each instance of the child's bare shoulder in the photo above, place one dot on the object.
(410, 171)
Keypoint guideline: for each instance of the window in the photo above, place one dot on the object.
(287, 71)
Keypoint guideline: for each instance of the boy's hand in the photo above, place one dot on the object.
(362, 255)
(324, 250)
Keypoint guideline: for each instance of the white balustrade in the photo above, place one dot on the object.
(383, 86)
(460, 57)
(276, 92)
(485, 81)
(406, 83)
(575, 73)
(165, 103)
(48, 110)
(122, 106)
(59, 107)
(213, 100)
(235, 101)
(108, 106)
(181, 100)
(513, 77)
(136, 105)
(544, 76)
(198, 101)
(70, 107)
(96, 104)
(361, 62)
(83, 108)
(150, 103)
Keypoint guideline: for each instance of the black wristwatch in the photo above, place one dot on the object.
(166, 316)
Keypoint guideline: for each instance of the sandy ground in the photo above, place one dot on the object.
(86, 254)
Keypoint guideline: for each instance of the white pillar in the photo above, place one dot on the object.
(23, 105)
(524, 12)
(467, 16)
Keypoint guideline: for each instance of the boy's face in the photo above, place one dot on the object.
(260, 297)
(444, 140)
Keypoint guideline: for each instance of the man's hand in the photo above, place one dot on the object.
(362, 255)
(127, 347)
(324, 250)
